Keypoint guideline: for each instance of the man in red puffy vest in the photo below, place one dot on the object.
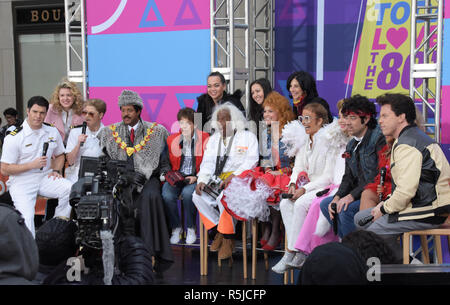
(185, 153)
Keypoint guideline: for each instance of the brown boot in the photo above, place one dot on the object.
(226, 250)
(217, 242)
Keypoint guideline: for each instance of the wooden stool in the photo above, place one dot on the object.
(291, 271)
(444, 230)
(204, 250)
(254, 252)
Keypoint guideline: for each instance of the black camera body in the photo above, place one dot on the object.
(95, 212)
(101, 200)
(213, 188)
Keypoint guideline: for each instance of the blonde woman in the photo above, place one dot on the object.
(65, 109)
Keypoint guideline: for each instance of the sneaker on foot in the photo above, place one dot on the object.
(175, 238)
(190, 236)
(297, 261)
(282, 266)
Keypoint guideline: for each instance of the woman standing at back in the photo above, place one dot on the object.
(259, 89)
(65, 108)
(302, 89)
(215, 96)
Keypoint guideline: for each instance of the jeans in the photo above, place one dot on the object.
(170, 195)
(345, 218)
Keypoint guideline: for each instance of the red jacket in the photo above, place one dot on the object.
(173, 142)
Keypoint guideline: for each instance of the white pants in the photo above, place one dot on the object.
(294, 215)
(24, 191)
(208, 207)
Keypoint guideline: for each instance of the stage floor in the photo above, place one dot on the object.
(186, 270)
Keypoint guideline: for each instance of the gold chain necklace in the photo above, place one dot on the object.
(135, 148)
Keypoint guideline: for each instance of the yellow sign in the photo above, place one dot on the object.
(383, 58)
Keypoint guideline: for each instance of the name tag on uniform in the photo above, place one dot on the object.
(28, 145)
(51, 139)
(241, 149)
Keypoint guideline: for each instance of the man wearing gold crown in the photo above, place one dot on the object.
(143, 144)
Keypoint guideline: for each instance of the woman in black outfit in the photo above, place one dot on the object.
(302, 89)
(216, 95)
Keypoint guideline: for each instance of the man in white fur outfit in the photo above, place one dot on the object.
(230, 150)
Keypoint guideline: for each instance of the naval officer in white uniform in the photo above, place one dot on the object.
(30, 171)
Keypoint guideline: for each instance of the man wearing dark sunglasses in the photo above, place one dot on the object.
(82, 139)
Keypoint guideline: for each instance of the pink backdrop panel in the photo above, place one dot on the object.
(447, 9)
(161, 104)
(445, 115)
(138, 16)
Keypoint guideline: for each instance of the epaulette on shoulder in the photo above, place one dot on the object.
(48, 124)
(15, 131)
(78, 126)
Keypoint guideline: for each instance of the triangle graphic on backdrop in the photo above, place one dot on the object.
(151, 9)
(153, 112)
(188, 100)
(195, 19)
(292, 10)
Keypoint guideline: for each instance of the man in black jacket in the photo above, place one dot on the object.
(361, 162)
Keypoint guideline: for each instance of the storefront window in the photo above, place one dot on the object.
(42, 64)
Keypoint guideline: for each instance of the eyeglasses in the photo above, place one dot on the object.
(89, 113)
(305, 119)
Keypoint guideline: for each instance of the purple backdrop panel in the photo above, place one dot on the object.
(331, 93)
(161, 104)
(137, 16)
(447, 9)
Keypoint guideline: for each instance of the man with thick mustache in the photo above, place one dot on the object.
(143, 144)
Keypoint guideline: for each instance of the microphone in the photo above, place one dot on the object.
(362, 222)
(382, 178)
(83, 131)
(335, 218)
(44, 151)
(321, 193)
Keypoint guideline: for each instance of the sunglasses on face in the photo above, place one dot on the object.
(305, 118)
(91, 114)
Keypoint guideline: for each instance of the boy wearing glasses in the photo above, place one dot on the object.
(84, 142)
(361, 162)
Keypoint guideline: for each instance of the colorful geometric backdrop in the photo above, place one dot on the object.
(158, 48)
(352, 46)
(161, 49)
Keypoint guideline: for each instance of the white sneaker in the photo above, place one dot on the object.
(190, 236)
(175, 238)
(282, 266)
(297, 261)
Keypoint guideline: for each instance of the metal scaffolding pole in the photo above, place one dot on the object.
(76, 43)
(425, 60)
(238, 40)
(263, 40)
